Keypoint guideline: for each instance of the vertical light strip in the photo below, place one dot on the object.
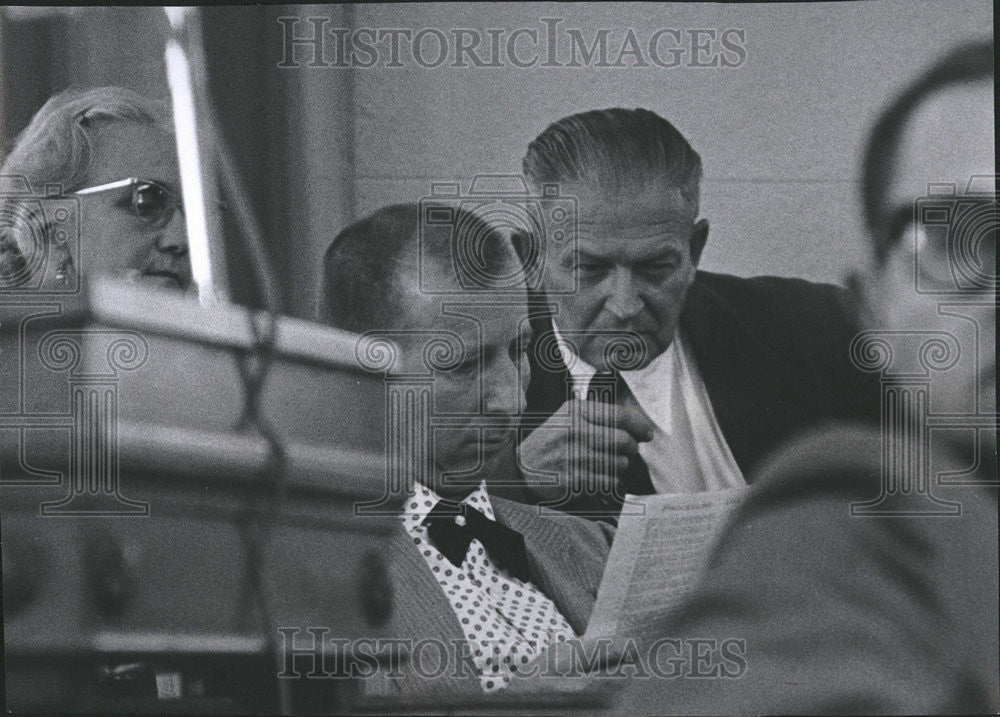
(189, 159)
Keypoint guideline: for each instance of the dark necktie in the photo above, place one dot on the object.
(452, 527)
(609, 387)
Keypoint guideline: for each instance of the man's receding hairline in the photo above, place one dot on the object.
(372, 268)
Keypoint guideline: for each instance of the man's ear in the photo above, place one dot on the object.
(699, 236)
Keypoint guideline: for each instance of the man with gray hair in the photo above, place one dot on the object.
(113, 150)
(728, 366)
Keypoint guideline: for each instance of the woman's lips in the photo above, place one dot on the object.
(163, 279)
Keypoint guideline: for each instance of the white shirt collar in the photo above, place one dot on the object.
(651, 385)
(422, 499)
(580, 370)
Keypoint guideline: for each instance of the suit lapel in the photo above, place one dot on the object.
(746, 380)
(569, 578)
(422, 612)
(561, 567)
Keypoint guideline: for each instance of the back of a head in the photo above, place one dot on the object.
(969, 63)
(372, 267)
(359, 270)
(615, 150)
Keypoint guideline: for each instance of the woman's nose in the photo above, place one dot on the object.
(172, 239)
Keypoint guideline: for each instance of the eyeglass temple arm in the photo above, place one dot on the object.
(109, 186)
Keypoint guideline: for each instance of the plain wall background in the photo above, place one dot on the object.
(780, 136)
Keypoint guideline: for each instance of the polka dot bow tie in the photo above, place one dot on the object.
(453, 526)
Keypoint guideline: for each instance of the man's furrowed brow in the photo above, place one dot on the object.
(673, 222)
(582, 255)
(661, 253)
(657, 253)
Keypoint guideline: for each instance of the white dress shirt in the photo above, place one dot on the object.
(688, 452)
(507, 622)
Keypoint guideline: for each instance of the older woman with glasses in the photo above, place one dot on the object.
(108, 153)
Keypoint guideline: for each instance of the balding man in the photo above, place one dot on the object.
(490, 581)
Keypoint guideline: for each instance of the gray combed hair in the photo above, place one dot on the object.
(615, 150)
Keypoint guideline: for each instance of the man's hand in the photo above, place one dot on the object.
(586, 445)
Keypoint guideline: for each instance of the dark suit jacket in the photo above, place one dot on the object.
(773, 353)
(566, 556)
(844, 614)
